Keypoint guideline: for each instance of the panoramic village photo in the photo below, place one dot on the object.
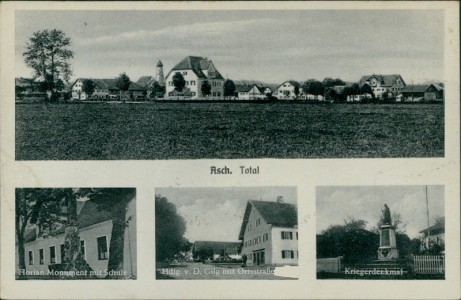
(75, 233)
(226, 233)
(380, 232)
(178, 84)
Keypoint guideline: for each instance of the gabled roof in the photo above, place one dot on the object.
(415, 88)
(274, 213)
(437, 87)
(384, 80)
(145, 80)
(217, 246)
(88, 214)
(197, 64)
(439, 227)
(245, 88)
(292, 82)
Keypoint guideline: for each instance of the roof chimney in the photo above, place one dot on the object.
(280, 199)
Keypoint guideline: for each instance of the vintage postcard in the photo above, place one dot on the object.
(230, 150)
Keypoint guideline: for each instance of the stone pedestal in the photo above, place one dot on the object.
(387, 244)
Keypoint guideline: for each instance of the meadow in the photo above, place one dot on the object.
(177, 130)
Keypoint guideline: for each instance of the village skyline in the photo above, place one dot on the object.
(267, 46)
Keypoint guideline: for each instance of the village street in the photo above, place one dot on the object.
(208, 271)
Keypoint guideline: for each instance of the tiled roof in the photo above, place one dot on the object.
(415, 88)
(385, 80)
(274, 213)
(145, 80)
(244, 88)
(197, 64)
(89, 214)
(437, 227)
(217, 246)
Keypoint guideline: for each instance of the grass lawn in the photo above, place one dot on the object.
(227, 130)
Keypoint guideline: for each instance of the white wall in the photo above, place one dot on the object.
(278, 245)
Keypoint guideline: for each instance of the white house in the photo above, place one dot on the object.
(287, 90)
(195, 70)
(269, 233)
(95, 228)
(384, 84)
(249, 92)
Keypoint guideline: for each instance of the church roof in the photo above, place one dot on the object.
(274, 213)
(159, 64)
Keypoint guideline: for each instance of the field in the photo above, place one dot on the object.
(227, 130)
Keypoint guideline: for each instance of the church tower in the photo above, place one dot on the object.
(159, 77)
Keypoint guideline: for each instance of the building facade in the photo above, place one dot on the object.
(195, 70)
(248, 92)
(95, 234)
(269, 233)
(390, 85)
(287, 90)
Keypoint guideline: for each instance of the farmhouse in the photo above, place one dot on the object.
(287, 90)
(391, 85)
(214, 250)
(431, 92)
(269, 233)
(195, 70)
(248, 92)
(104, 88)
(95, 228)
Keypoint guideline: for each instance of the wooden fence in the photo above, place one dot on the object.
(429, 264)
(330, 265)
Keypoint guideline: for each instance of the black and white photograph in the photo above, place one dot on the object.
(381, 232)
(226, 233)
(229, 84)
(75, 233)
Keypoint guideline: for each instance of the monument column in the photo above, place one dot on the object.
(387, 243)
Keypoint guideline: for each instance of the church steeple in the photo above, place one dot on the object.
(159, 75)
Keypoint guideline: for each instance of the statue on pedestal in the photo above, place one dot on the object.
(387, 243)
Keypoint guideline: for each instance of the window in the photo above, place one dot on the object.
(287, 235)
(193, 93)
(288, 254)
(31, 258)
(214, 94)
(41, 258)
(249, 227)
(187, 82)
(62, 253)
(82, 249)
(102, 248)
(184, 73)
(52, 254)
(258, 222)
(296, 235)
(218, 94)
(192, 82)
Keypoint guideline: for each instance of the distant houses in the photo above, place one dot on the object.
(105, 89)
(215, 250)
(269, 233)
(197, 71)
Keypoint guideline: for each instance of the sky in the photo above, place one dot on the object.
(265, 45)
(337, 203)
(216, 214)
